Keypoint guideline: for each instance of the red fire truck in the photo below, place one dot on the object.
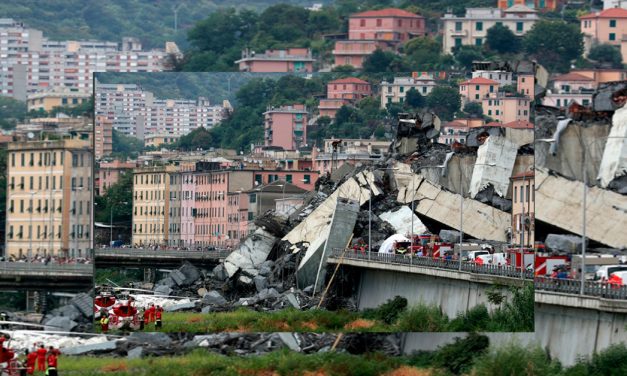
(544, 261)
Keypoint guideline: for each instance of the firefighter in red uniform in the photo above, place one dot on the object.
(31, 359)
(6, 354)
(41, 358)
(150, 313)
(52, 361)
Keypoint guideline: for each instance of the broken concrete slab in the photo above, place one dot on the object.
(178, 277)
(69, 311)
(156, 339)
(167, 282)
(135, 353)
(180, 307)
(244, 280)
(252, 253)
(91, 348)
(213, 297)
(270, 293)
(202, 292)
(559, 200)
(494, 164)
(564, 243)
(401, 220)
(260, 283)
(290, 340)
(219, 273)
(191, 273)
(614, 161)
(449, 236)
(163, 290)
(84, 303)
(291, 298)
(60, 324)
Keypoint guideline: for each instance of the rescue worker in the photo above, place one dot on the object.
(104, 323)
(52, 362)
(31, 359)
(41, 358)
(150, 313)
(158, 313)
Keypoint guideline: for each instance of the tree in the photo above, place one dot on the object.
(414, 99)
(425, 53)
(473, 110)
(465, 55)
(126, 146)
(606, 54)
(199, 138)
(554, 44)
(444, 101)
(378, 61)
(116, 204)
(11, 111)
(502, 40)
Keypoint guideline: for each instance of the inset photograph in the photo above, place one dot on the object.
(315, 202)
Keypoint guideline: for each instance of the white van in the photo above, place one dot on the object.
(605, 271)
(496, 259)
(622, 275)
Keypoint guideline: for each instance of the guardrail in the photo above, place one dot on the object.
(30, 268)
(171, 253)
(573, 287)
(419, 261)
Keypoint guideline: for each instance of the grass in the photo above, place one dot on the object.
(392, 316)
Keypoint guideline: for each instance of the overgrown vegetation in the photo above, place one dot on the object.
(465, 356)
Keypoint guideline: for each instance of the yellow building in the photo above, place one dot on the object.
(152, 203)
(160, 139)
(56, 97)
(523, 208)
(49, 194)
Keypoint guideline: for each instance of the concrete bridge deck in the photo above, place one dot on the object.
(37, 276)
(136, 257)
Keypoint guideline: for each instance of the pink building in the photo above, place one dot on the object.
(607, 26)
(603, 75)
(393, 25)
(351, 88)
(504, 109)
(109, 173)
(525, 84)
(477, 89)
(573, 82)
(286, 127)
(354, 52)
(188, 199)
(341, 92)
(452, 132)
(290, 60)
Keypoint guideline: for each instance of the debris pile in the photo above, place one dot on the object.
(76, 316)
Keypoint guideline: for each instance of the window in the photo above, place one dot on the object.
(400, 23)
(519, 27)
(491, 88)
(307, 179)
(252, 198)
(586, 102)
(458, 42)
(378, 22)
(479, 26)
(458, 26)
(612, 23)
(401, 89)
(478, 42)
(362, 22)
(250, 216)
(288, 178)
(515, 193)
(612, 36)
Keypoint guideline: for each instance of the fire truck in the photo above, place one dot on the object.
(430, 245)
(544, 261)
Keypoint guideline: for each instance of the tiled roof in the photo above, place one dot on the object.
(520, 175)
(572, 77)
(519, 124)
(389, 12)
(607, 13)
(349, 80)
(480, 81)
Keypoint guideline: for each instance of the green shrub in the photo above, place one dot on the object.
(422, 318)
(515, 360)
(459, 356)
(387, 312)
(609, 362)
(476, 319)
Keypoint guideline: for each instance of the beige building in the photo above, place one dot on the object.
(160, 139)
(523, 201)
(151, 204)
(395, 92)
(103, 136)
(505, 109)
(49, 198)
(57, 97)
(472, 29)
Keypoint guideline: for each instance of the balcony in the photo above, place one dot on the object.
(458, 33)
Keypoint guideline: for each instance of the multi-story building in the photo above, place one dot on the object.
(502, 76)
(30, 62)
(49, 197)
(602, 75)
(525, 84)
(391, 24)
(477, 89)
(156, 140)
(341, 92)
(541, 5)
(523, 209)
(471, 30)
(608, 26)
(286, 126)
(263, 198)
(109, 173)
(47, 100)
(136, 112)
(395, 92)
(505, 109)
(294, 60)
(383, 29)
(103, 137)
(570, 88)
(336, 153)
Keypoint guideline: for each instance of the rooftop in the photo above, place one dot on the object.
(607, 13)
(572, 77)
(525, 174)
(388, 12)
(349, 80)
(480, 81)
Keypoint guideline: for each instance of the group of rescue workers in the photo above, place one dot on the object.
(152, 314)
(38, 359)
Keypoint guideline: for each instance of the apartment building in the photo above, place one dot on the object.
(607, 26)
(136, 112)
(376, 29)
(523, 209)
(471, 30)
(286, 126)
(341, 92)
(29, 62)
(395, 92)
(109, 173)
(540, 5)
(103, 137)
(49, 197)
(506, 109)
(476, 89)
(525, 84)
(48, 99)
(291, 60)
(336, 153)
(568, 89)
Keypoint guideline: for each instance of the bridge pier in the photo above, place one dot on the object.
(36, 301)
(149, 275)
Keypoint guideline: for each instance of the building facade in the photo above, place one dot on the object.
(506, 109)
(471, 30)
(523, 209)
(47, 100)
(395, 92)
(49, 207)
(286, 127)
(608, 26)
(291, 60)
(109, 173)
(341, 92)
(540, 5)
(103, 137)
